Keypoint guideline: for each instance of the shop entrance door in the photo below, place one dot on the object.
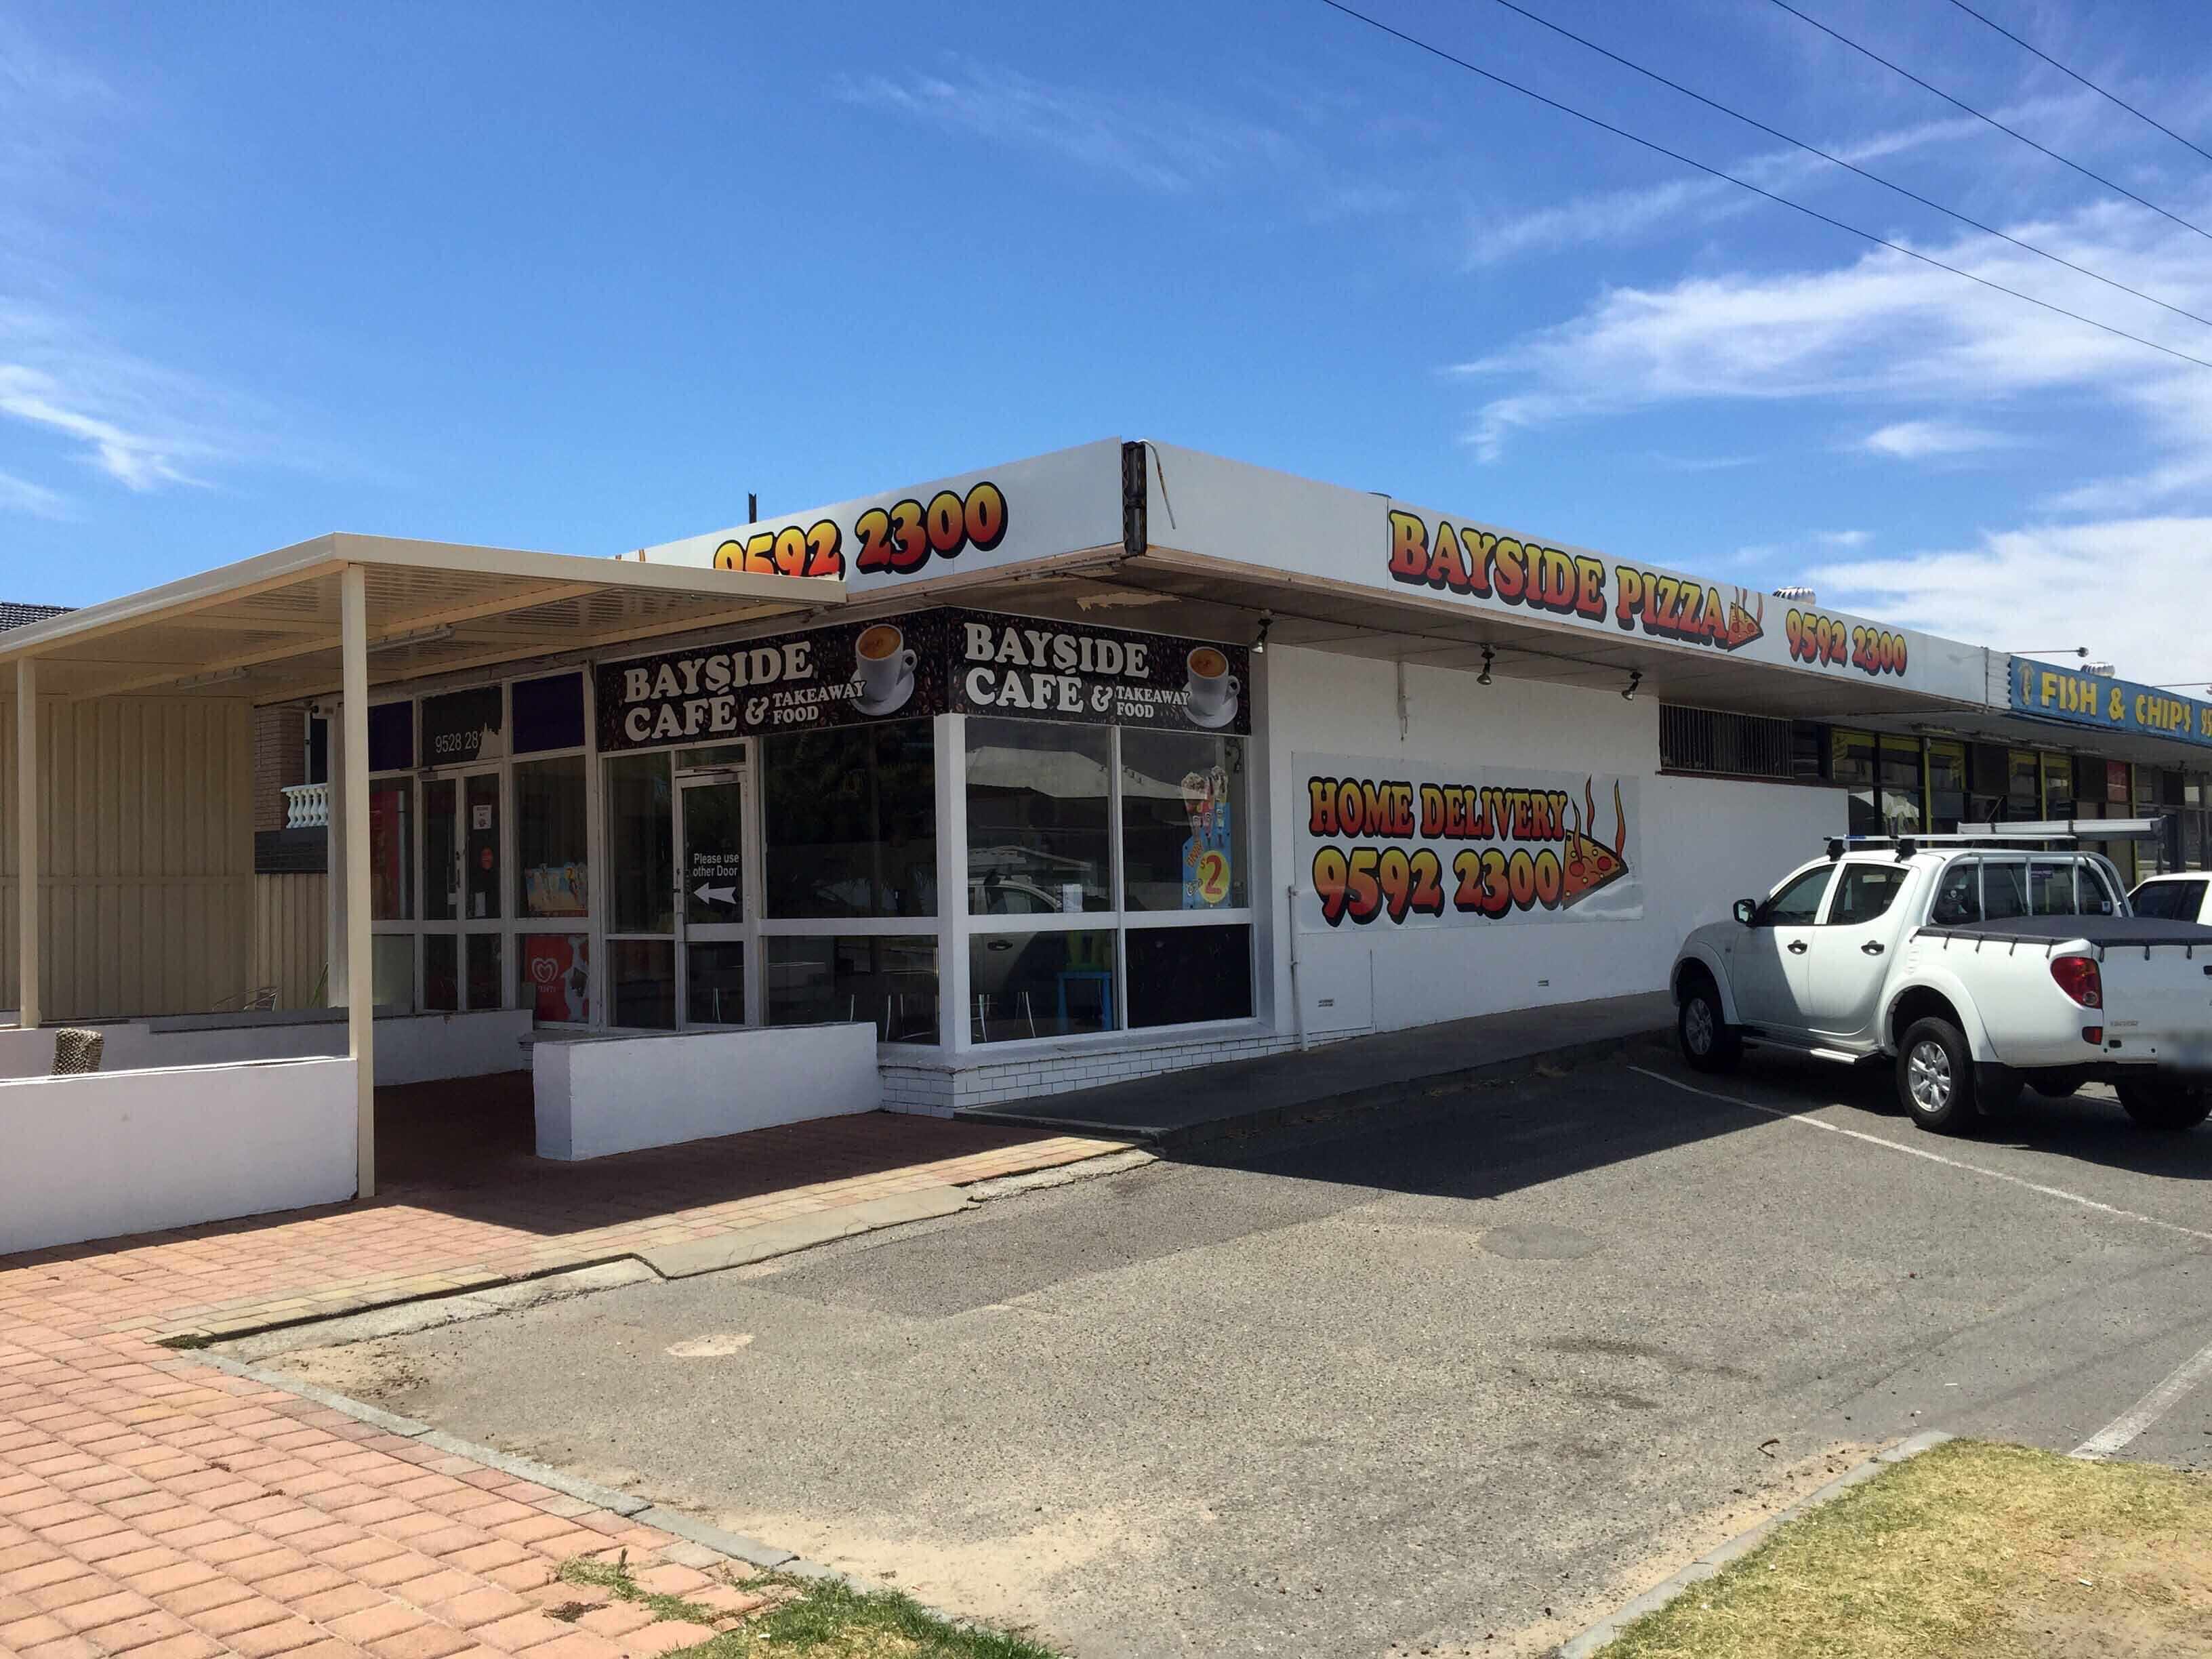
(464, 872)
(716, 942)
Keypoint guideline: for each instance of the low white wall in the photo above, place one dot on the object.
(409, 1047)
(110, 1153)
(601, 1095)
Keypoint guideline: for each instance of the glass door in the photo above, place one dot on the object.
(464, 864)
(716, 926)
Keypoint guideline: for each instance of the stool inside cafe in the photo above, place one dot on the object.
(1080, 768)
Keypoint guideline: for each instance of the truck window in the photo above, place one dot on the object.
(1958, 897)
(2170, 901)
(2051, 887)
(2004, 891)
(1798, 902)
(1863, 892)
(2099, 896)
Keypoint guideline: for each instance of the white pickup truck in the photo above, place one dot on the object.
(1980, 971)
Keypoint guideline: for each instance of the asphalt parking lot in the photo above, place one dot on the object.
(1453, 1384)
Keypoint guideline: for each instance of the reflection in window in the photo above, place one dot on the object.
(556, 976)
(643, 976)
(1799, 901)
(1958, 900)
(641, 836)
(1037, 805)
(551, 839)
(391, 956)
(1864, 892)
(1179, 975)
(889, 981)
(715, 982)
(1040, 985)
(487, 985)
(391, 853)
(441, 973)
(2004, 891)
(850, 821)
(1183, 830)
(1947, 783)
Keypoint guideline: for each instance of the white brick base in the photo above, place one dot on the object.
(984, 1077)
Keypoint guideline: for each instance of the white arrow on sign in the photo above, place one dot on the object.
(707, 895)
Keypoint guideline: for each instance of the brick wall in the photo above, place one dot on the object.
(280, 760)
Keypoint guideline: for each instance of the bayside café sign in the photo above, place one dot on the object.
(2076, 699)
(931, 662)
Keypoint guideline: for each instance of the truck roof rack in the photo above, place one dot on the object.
(2043, 833)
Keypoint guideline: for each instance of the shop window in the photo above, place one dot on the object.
(890, 979)
(1901, 787)
(392, 963)
(1180, 974)
(556, 977)
(485, 953)
(552, 839)
(391, 853)
(642, 975)
(391, 736)
(461, 727)
(850, 822)
(1947, 786)
(2058, 786)
(1883, 776)
(1038, 799)
(548, 713)
(1742, 746)
(1183, 824)
(1041, 985)
(640, 849)
(2023, 786)
(441, 973)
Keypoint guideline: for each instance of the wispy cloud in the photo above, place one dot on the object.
(1153, 142)
(141, 426)
(1914, 440)
(21, 495)
(1843, 540)
(2036, 583)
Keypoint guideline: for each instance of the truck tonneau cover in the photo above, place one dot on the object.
(2108, 931)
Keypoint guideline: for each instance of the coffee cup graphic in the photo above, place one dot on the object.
(1212, 689)
(886, 664)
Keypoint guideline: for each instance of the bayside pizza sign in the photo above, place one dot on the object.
(931, 662)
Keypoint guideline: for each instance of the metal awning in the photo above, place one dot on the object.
(268, 628)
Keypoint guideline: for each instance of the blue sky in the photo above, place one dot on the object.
(564, 278)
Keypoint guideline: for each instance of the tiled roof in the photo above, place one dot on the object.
(15, 614)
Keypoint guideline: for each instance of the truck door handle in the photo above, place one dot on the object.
(1798, 947)
(1872, 947)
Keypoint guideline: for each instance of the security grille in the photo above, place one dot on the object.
(1707, 740)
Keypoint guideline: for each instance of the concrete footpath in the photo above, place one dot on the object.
(1358, 1074)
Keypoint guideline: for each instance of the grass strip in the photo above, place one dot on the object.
(824, 1618)
(1970, 1551)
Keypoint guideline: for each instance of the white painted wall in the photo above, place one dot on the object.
(409, 1047)
(110, 1153)
(616, 1094)
(1704, 843)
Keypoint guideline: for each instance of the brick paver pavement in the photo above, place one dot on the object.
(154, 1506)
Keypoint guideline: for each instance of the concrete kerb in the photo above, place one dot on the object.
(1593, 1640)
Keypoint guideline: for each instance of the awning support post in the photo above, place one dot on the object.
(28, 818)
(360, 973)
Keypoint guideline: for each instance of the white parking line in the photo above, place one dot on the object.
(1933, 1158)
(2148, 1409)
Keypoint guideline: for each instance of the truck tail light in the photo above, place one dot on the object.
(2078, 977)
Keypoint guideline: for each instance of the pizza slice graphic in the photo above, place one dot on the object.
(1744, 626)
(1591, 865)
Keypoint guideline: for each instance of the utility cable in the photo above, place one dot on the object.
(1867, 52)
(2112, 97)
(1744, 183)
(1853, 166)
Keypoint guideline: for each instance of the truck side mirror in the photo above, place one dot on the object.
(1746, 909)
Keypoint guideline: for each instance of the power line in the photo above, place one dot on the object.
(2014, 132)
(2111, 96)
(1746, 183)
(1853, 166)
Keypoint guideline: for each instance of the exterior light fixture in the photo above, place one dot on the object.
(419, 636)
(2057, 650)
(1267, 622)
(1635, 679)
(1483, 678)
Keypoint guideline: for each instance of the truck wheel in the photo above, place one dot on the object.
(2168, 1106)
(1709, 1042)
(1935, 1076)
